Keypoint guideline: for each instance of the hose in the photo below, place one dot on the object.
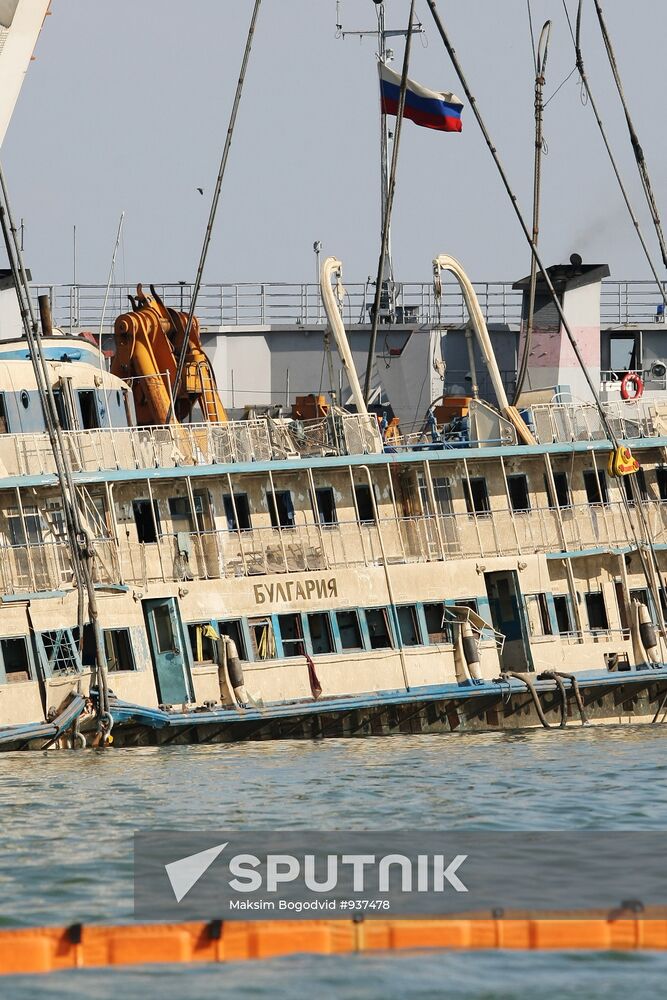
(506, 674)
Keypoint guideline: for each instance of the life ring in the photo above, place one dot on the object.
(634, 380)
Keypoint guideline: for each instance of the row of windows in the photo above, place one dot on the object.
(60, 654)
(476, 493)
(79, 409)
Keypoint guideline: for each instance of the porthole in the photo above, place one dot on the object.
(25, 399)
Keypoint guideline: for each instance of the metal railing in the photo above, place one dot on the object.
(562, 422)
(313, 548)
(175, 445)
(299, 304)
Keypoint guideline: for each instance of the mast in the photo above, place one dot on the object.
(20, 24)
(385, 56)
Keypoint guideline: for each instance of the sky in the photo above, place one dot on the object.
(126, 106)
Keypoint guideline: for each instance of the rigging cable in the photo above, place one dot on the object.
(540, 69)
(388, 207)
(587, 90)
(604, 419)
(214, 207)
(636, 145)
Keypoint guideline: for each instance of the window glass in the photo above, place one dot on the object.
(321, 638)
(439, 630)
(377, 620)
(281, 508)
(407, 620)
(203, 643)
(118, 649)
(291, 635)
(237, 511)
(235, 632)
(476, 495)
(538, 614)
(147, 520)
(88, 404)
(164, 631)
(595, 482)
(348, 628)
(563, 616)
(517, 487)
(597, 613)
(15, 658)
(326, 505)
(262, 638)
(362, 493)
(61, 653)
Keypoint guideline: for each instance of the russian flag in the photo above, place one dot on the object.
(441, 111)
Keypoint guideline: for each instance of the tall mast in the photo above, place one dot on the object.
(385, 56)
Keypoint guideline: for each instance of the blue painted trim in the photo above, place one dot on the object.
(39, 596)
(120, 588)
(335, 462)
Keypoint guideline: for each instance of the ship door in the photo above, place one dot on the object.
(509, 617)
(168, 651)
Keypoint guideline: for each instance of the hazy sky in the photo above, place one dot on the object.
(127, 103)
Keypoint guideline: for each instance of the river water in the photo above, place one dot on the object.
(68, 820)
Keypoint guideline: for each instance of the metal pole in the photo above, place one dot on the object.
(214, 203)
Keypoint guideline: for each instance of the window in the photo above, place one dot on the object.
(15, 659)
(234, 630)
(164, 631)
(101, 525)
(147, 520)
(203, 643)
(562, 498)
(661, 480)
(348, 628)
(439, 630)
(326, 505)
(517, 487)
(476, 495)
(61, 409)
(364, 499)
(60, 652)
(88, 405)
(563, 615)
(237, 511)
(118, 649)
(281, 508)
(442, 494)
(26, 530)
(641, 594)
(379, 632)
(4, 426)
(597, 613)
(262, 638)
(538, 614)
(180, 511)
(623, 354)
(409, 626)
(321, 638)
(640, 479)
(595, 482)
(291, 634)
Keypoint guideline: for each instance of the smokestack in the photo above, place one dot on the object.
(45, 315)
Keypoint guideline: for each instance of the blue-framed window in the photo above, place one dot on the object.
(320, 633)
(59, 652)
(291, 635)
(349, 630)
(438, 627)
(408, 623)
(379, 628)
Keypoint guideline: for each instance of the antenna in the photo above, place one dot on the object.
(385, 55)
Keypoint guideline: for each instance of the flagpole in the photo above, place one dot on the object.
(386, 271)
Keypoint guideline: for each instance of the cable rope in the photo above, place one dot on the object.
(604, 419)
(532, 35)
(389, 205)
(634, 140)
(78, 535)
(214, 207)
(589, 94)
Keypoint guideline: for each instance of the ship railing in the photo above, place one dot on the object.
(35, 567)
(562, 422)
(178, 445)
(272, 303)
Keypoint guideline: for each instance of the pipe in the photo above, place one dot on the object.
(44, 303)
(332, 266)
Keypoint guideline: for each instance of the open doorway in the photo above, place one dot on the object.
(508, 616)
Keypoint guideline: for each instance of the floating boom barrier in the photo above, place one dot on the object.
(52, 949)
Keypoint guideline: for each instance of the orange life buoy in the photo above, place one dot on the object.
(635, 380)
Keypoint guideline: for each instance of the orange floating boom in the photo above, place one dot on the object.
(50, 949)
